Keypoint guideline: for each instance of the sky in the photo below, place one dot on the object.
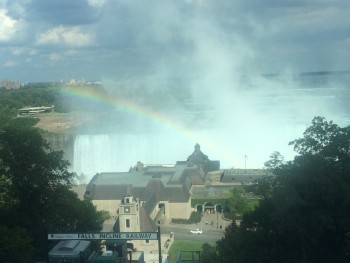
(57, 40)
(222, 52)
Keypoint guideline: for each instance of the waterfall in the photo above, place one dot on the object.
(118, 152)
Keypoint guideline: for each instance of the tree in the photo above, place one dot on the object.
(35, 189)
(306, 216)
(237, 204)
(276, 160)
(209, 254)
(15, 245)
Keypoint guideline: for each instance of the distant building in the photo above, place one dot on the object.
(35, 110)
(148, 194)
(77, 251)
(242, 176)
(80, 251)
(9, 84)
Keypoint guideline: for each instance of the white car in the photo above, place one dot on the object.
(196, 231)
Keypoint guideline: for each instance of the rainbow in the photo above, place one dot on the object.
(100, 95)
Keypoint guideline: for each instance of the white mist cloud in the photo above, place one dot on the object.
(54, 56)
(8, 26)
(216, 51)
(10, 64)
(18, 51)
(71, 36)
(96, 3)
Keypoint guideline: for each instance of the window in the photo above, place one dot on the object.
(127, 222)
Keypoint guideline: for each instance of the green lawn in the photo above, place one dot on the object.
(185, 245)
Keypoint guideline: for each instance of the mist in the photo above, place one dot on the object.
(206, 81)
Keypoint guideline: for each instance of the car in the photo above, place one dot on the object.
(196, 231)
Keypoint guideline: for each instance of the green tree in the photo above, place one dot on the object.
(237, 204)
(15, 245)
(306, 215)
(209, 254)
(276, 160)
(35, 189)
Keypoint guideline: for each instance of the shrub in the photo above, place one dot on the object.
(195, 217)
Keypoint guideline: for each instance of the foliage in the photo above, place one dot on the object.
(184, 245)
(209, 254)
(226, 203)
(35, 190)
(15, 245)
(24, 121)
(105, 215)
(30, 96)
(238, 204)
(195, 217)
(304, 214)
(276, 160)
(15, 99)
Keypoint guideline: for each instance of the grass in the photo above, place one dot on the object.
(185, 245)
(252, 203)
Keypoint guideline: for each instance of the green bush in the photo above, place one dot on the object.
(194, 218)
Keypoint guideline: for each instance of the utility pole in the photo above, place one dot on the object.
(159, 246)
(245, 164)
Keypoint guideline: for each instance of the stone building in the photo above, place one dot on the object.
(149, 194)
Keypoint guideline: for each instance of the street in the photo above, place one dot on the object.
(210, 224)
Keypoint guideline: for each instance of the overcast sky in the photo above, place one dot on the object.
(51, 40)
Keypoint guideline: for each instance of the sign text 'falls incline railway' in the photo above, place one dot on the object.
(104, 236)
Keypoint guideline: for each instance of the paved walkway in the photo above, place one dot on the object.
(207, 221)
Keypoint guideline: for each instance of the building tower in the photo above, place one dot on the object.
(129, 213)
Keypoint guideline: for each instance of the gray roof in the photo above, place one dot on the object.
(69, 247)
(168, 182)
(242, 175)
(164, 173)
(105, 191)
(197, 157)
(146, 223)
(177, 193)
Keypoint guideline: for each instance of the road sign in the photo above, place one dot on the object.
(104, 236)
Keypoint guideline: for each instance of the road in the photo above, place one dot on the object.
(211, 232)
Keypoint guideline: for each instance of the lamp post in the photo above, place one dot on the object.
(159, 246)
(217, 219)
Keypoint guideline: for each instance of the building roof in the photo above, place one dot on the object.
(146, 223)
(69, 247)
(171, 193)
(166, 181)
(197, 157)
(153, 184)
(242, 175)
